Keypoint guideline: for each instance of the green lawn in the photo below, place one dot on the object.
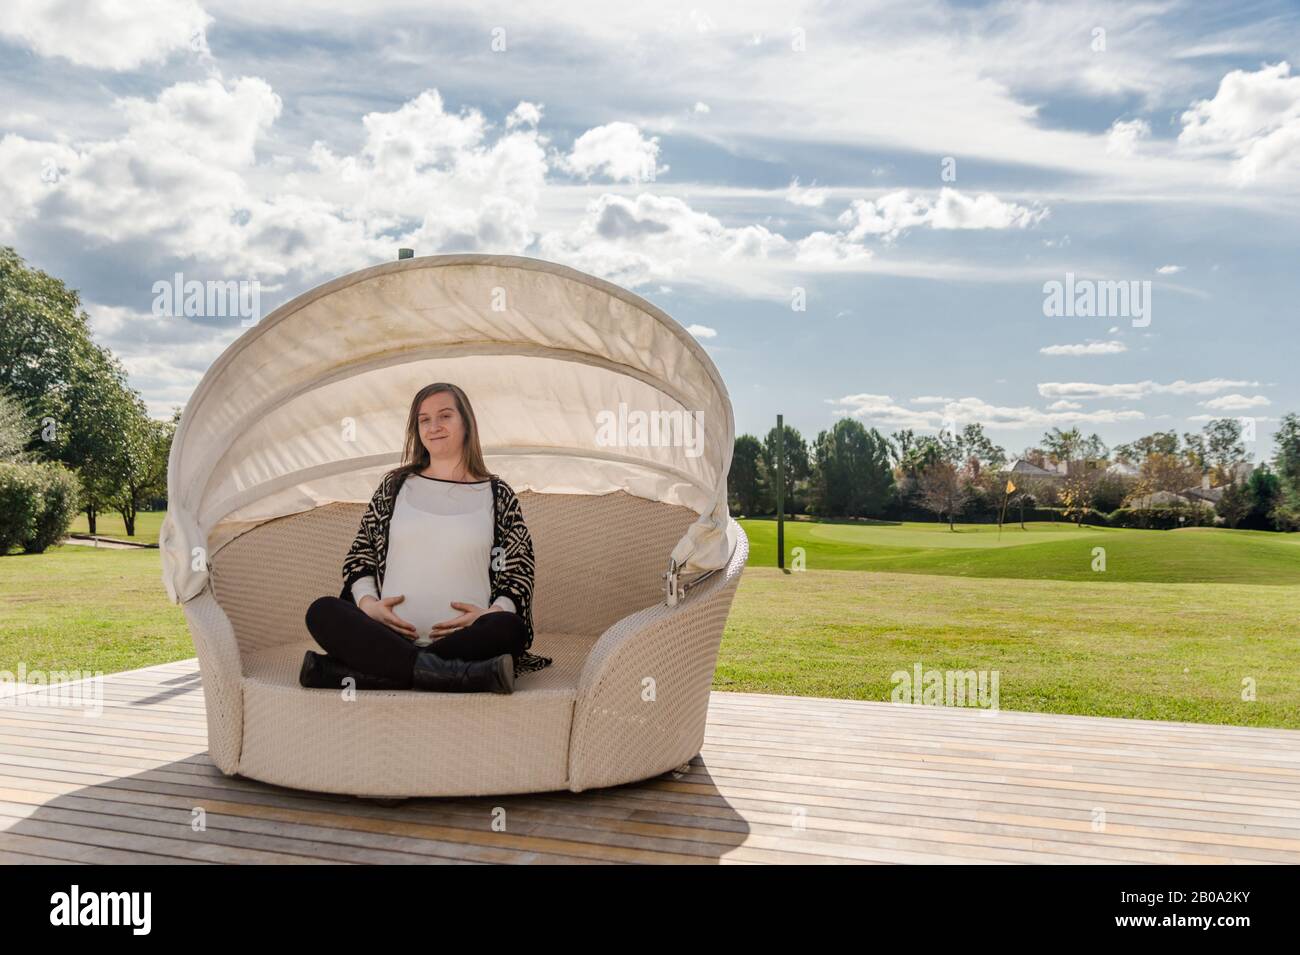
(1169, 631)
(147, 526)
(1149, 651)
(1042, 551)
(77, 607)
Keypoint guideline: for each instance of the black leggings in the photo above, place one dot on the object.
(361, 643)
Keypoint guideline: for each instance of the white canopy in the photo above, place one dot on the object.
(578, 386)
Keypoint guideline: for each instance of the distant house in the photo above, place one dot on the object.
(1203, 494)
(1120, 469)
(1163, 499)
(1025, 469)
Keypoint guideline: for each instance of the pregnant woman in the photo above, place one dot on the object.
(438, 584)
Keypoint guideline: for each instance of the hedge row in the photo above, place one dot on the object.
(37, 505)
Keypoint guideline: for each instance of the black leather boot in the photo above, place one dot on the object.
(434, 673)
(324, 672)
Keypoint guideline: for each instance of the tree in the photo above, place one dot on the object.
(1194, 452)
(101, 434)
(1164, 472)
(1286, 455)
(1035, 456)
(43, 337)
(1286, 464)
(1235, 503)
(1092, 448)
(15, 429)
(851, 474)
(943, 491)
(73, 390)
(744, 480)
(1071, 445)
(1223, 447)
(1263, 488)
(1062, 445)
(1134, 453)
(914, 454)
(1109, 490)
(139, 463)
(977, 452)
(1078, 489)
(797, 467)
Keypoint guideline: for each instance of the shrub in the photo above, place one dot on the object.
(1162, 518)
(60, 494)
(20, 504)
(37, 505)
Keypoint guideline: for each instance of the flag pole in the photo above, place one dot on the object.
(1006, 496)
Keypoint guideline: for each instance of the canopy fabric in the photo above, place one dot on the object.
(309, 405)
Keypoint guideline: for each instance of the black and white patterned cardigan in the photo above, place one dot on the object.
(510, 571)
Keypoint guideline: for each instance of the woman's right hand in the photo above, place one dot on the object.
(382, 610)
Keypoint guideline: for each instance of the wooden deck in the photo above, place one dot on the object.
(780, 779)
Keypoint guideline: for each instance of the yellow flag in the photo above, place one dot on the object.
(1010, 487)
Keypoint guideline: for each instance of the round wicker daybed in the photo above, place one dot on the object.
(637, 559)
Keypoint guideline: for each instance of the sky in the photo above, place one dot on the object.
(915, 214)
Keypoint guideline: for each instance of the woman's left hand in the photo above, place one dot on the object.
(471, 613)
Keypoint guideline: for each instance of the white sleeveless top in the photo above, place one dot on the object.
(439, 550)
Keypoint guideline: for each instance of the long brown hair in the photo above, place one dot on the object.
(415, 456)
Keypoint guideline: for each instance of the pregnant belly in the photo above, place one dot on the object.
(427, 603)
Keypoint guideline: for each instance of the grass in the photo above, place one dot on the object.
(1042, 551)
(1169, 631)
(148, 524)
(77, 607)
(1142, 650)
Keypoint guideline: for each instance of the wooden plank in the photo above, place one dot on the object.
(872, 782)
(833, 708)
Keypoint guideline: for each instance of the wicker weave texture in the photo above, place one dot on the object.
(643, 697)
(586, 721)
(599, 558)
(219, 669)
(408, 742)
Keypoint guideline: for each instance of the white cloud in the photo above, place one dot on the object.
(931, 400)
(616, 150)
(525, 114)
(438, 179)
(184, 179)
(830, 248)
(1091, 348)
(207, 121)
(657, 238)
(1138, 389)
(1253, 116)
(883, 411)
(1063, 405)
(30, 172)
(107, 34)
(895, 212)
(702, 331)
(701, 108)
(805, 195)
(164, 355)
(1169, 269)
(1122, 137)
(1236, 402)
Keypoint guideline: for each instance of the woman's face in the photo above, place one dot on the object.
(442, 429)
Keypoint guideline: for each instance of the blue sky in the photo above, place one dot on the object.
(919, 170)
